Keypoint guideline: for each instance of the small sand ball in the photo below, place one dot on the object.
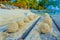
(26, 20)
(31, 17)
(12, 27)
(20, 23)
(46, 14)
(44, 28)
(35, 15)
(48, 20)
(2, 35)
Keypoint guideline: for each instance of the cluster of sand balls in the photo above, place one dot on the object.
(46, 24)
(29, 18)
(14, 26)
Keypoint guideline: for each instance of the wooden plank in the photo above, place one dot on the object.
(56, 20)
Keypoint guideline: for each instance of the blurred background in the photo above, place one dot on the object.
(48, 6)
(34, 4)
